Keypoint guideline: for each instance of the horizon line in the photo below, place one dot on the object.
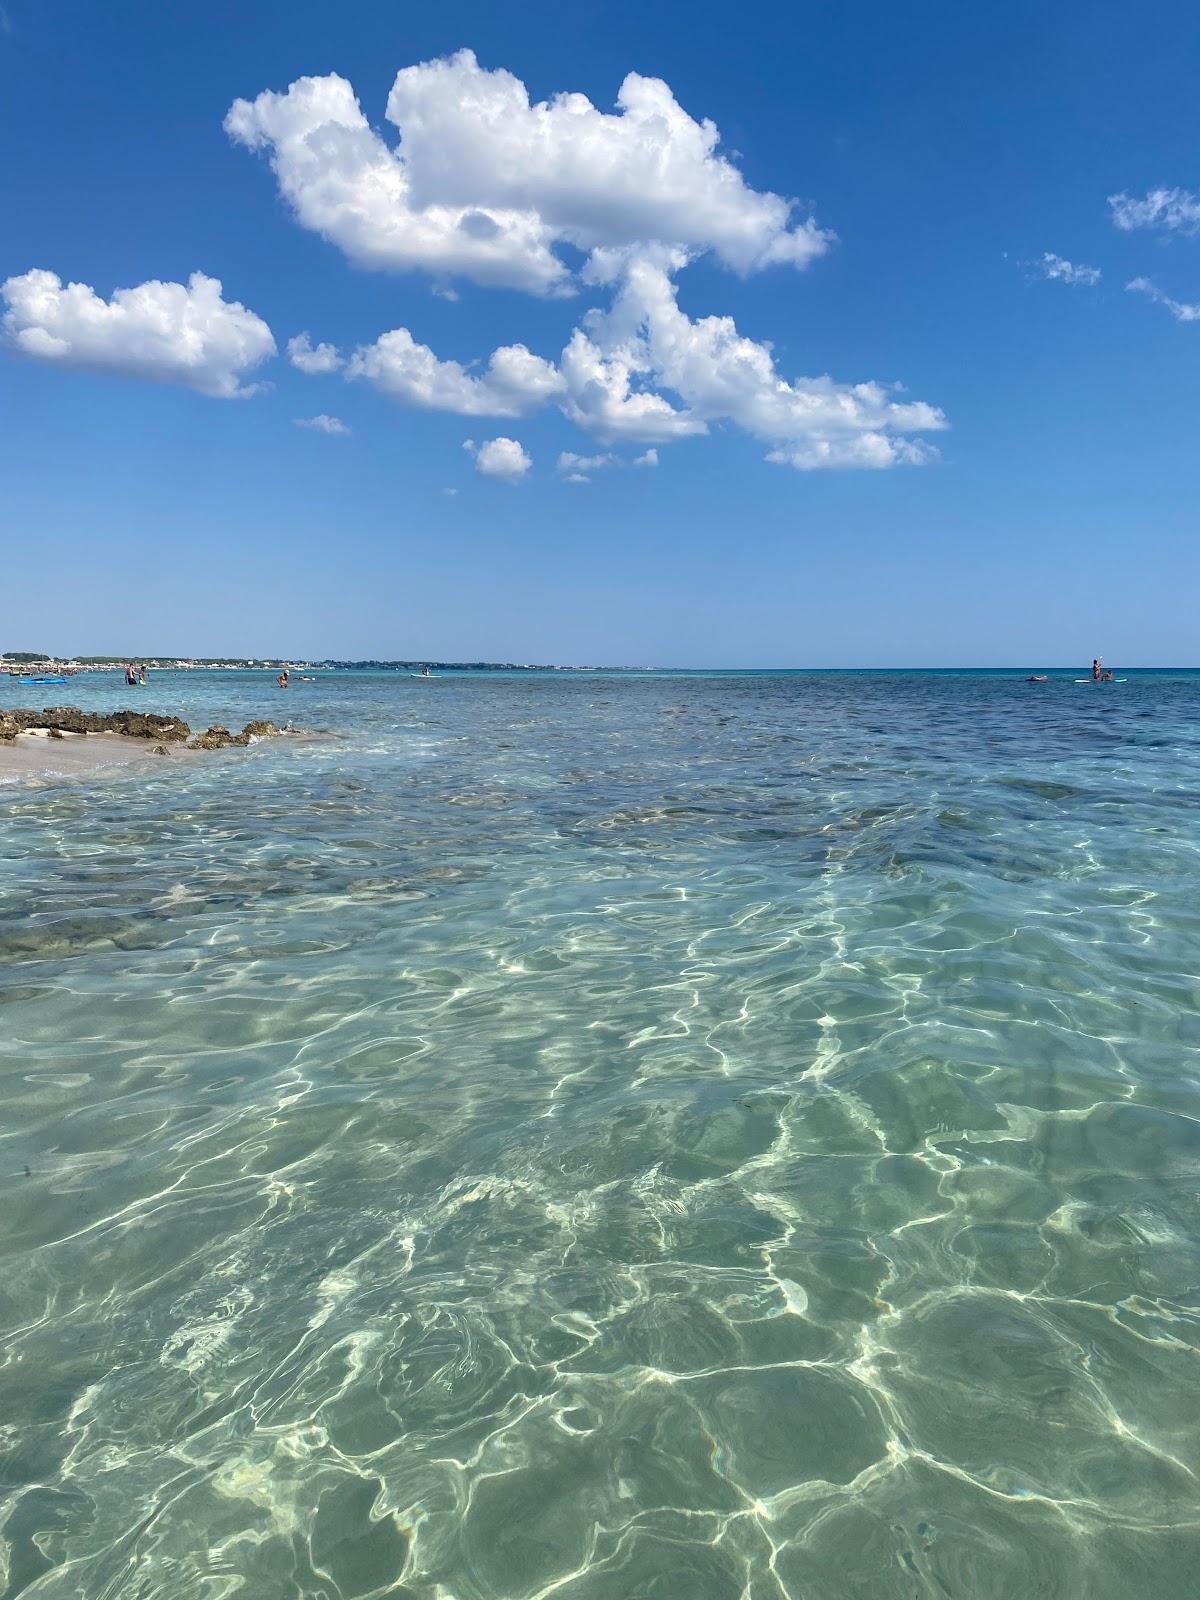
(462, 664)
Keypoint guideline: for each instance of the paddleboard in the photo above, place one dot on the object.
(42, 680)
(424, 674)
(1101, 680)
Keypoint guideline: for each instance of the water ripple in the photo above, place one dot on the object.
(597, 1138)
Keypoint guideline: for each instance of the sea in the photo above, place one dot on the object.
(607, 1136)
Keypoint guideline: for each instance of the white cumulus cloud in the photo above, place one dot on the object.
(167, 332)
(1171, 210)
(604, 396)
(719, 375)
(485, 184)
(1181, 310)
(324, 424)
(611, 378)
(648, 458)
(514, 382)
(310, 358)
(1057, 269)
(499, 458)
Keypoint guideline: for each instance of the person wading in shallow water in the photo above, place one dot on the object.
(282, 679)
(1096, 668)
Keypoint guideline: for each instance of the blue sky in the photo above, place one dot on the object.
(1040, 502)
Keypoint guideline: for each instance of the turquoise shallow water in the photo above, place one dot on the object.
(709, 1138)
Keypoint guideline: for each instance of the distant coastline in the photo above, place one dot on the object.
(25, 663)
(16, 664)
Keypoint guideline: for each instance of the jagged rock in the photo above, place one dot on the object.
(218, 738)
(70, 719)
(57, 720)
(66, 719)
(141, 725)
(55, 733)
(160, 750)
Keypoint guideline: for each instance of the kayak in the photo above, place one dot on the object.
(41, 680)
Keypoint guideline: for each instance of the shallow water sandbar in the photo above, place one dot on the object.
(34, 754)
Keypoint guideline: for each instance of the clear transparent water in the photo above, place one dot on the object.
(711, 1138)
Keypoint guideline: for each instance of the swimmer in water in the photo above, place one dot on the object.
(282, 679)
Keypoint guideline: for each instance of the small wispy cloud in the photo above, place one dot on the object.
(324, 424)
(1181, 310)
(1168, 210)
(1057, 269)
(578, 469)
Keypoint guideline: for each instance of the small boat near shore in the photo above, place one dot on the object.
(30, 681)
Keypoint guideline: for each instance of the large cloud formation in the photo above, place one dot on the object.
(488, 186)
(485, 185)
(719, 374)
(164, 331)
(609, 377)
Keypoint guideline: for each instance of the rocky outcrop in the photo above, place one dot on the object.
(218, 738)
(57, 720)
(138, 726)
(70, 719)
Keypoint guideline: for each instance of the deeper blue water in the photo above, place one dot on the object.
(608, 1137)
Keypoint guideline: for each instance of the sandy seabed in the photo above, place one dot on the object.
(34, 754)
